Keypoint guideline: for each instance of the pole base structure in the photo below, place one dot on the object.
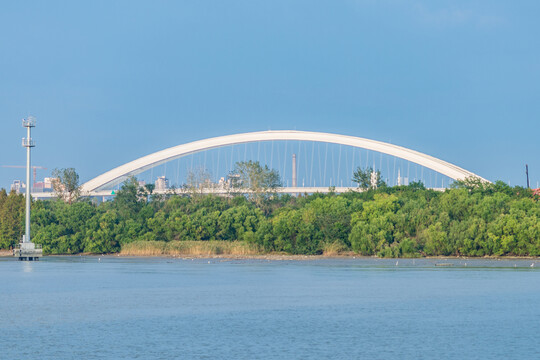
(27, 251)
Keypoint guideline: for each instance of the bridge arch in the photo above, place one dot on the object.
(146, 162)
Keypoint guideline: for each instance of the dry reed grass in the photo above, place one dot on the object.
(334, 249)
(189, 248)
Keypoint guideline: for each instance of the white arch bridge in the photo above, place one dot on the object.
(100, 184)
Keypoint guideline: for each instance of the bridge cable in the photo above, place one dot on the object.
(218, 172)
(408, 166)
(352, 166)
(299, 158)
(231, 163)
(177, 171)
(339, 166)
(312, 156)
(285, 161)
(272, 155)
(325, 160)
(319, 165)
(394, 174)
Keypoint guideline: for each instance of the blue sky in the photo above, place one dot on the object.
(110, 81)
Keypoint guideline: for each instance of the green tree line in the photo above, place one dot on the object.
(470, 219)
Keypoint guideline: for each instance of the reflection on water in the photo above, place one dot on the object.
(150, 308)
(27, 266)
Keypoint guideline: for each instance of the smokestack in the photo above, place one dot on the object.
(294, 182)
(526, 172)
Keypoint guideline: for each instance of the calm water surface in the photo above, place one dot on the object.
(160, 308)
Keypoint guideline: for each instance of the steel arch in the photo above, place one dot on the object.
(146, 162)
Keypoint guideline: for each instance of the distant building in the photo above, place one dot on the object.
(44, 186)
(48, 183)
(38, 186)
(162, 183)
(402, 180)
(141, 183)
(222, 183)
(18, 186)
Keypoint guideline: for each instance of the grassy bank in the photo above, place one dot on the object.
(189, 248)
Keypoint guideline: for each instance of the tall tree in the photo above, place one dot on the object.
(11, 218)
(147, 191)
(261, 181)
(66, 184)
(198, 179)
(368, 178)
(129, 199)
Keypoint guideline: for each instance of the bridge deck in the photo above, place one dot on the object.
(222, 191)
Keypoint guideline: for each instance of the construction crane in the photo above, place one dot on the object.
(34, 168)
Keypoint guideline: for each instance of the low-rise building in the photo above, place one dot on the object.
(18, 186)
(162, 183)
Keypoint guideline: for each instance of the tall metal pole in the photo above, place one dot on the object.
(27, 237)
(28, 123)
(27, 250)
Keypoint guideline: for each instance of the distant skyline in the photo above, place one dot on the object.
(112, 81)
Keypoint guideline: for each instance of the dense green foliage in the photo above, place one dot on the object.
(472, 219)
(11, 218)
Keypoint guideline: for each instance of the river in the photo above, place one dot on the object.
(164, 308)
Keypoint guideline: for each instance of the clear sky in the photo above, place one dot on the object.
(110, 81)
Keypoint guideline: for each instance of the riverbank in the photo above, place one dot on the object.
(242, 250)
(271, 256)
